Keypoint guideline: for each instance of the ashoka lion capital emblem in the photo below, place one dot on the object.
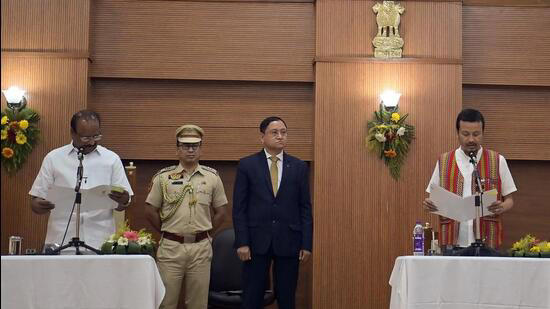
(388, 43)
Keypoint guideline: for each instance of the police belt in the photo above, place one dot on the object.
(186, 239)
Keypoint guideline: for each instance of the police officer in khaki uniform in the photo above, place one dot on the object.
(179, 206)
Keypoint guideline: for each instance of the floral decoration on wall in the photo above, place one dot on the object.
(390, 138)
(20, 133)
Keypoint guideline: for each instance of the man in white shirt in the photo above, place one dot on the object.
(100, 167)
(454, 172)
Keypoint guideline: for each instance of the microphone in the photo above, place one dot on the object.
(472, 156)
(80, 169)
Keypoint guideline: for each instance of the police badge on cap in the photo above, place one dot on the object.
(189, 133)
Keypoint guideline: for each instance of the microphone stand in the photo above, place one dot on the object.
(477, 248)
(75, 241)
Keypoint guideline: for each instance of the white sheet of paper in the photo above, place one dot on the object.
(457, 207)
(95, 198)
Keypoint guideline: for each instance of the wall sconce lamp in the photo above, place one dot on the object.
(390, 100)
(15, 98)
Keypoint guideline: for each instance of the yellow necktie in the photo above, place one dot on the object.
(274, 171)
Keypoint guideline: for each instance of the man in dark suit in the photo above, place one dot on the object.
(272, 217)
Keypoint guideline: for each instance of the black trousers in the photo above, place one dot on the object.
(256, 276)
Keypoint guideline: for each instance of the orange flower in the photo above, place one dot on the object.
(390, 153)
(7, 152)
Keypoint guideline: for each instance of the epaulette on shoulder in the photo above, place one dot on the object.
(166, 169)
(211, 170)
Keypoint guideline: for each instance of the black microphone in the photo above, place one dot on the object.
(80, 169)
(472, 155)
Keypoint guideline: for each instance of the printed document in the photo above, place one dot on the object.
(457, 207)
(95, 198)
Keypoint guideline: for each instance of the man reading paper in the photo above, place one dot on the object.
(101, 166)
(454, 172)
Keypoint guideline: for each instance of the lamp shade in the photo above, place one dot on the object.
(390, 98)
(14, 95)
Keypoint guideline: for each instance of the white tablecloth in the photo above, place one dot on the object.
(470, 282)
(85, 281)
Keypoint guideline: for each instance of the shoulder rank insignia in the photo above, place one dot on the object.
(211, 170)
(166, 169)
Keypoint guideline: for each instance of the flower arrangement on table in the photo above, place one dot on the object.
(128, 241)
(390, 137)
(20, 134)
(530, 246)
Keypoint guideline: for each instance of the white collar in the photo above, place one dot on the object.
(71, 148)
(279, 155)
(464, 156)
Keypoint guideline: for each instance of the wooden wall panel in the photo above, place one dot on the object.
(429, 29)
(531, 212)
(45, 25)
(363, 218)
(516, 121)
(203, 40)
(37, 38)
(506, 45)
(229, 112)
(56, 88)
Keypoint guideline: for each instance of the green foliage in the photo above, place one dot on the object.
(390, 138)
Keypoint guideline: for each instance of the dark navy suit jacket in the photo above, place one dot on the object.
(261, 219)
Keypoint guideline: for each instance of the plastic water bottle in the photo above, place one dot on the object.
(418, 239)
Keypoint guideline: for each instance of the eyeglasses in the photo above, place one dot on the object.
(276, 132)
(193, 147)
(87, 139)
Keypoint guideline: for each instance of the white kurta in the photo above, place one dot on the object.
(59, 168)
(466, 231)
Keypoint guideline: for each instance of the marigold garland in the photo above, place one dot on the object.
(390, 137)
(20, 134)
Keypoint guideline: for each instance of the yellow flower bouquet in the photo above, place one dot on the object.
(128, 241)
(20, 135)
(530, 246)
(390, 137)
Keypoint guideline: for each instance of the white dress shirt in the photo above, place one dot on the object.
(279, 165)
(59, 168)
(466, 230)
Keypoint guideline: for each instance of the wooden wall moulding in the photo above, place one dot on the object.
(259, 1)
(519, 3)
(371, 59)
(48, 54)
(203, 40)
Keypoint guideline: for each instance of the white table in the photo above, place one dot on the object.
(470, 282)
(85, 281)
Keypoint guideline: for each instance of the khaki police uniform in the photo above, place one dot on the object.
(184, 199)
